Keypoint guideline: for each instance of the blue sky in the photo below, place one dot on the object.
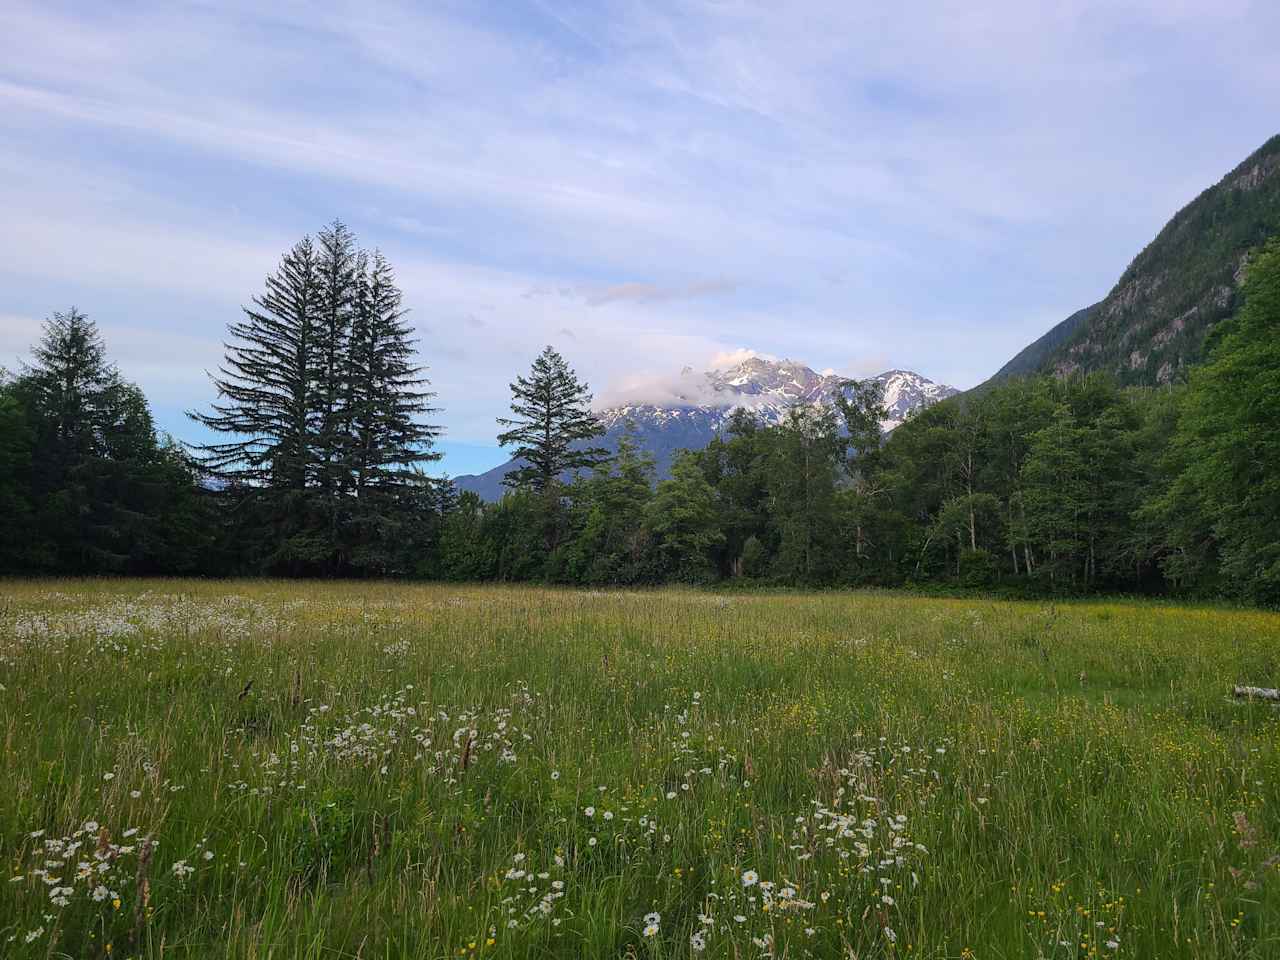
(860, 186)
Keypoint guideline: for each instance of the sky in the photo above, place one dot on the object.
(860, 186)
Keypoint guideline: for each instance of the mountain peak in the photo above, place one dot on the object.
(686, 412)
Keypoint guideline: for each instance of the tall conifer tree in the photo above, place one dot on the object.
(552, 424)
(324, 403)
(387, 395)
(76, 391)
(104, 492)
(337, 262)
(266, 384)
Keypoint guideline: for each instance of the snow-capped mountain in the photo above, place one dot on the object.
(906, 392)
(686, 413)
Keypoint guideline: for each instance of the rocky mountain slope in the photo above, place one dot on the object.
(1153, 323)
(696, 406)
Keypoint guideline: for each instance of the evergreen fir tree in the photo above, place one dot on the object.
(70, 393)
(75, 391)
(266, 387)
(321, 394)
(552, 425)
(102, 489)
(338, 265)
(386, 399)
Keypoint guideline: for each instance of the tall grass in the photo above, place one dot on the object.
(267, 769)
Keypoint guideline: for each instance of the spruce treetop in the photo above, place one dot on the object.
(552, 424)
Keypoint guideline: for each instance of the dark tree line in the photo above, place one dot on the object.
(1037, 486)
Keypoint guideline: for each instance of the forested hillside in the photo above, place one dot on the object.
(1153, 324)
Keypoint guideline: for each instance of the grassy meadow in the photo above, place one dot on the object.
(267, 769)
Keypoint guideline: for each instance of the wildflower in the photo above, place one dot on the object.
(108, 776)
(890, 935)
(590, 811)
(555, 774)
(34, 934)
(1113, 944)
(654, 917)
(697, 942)
(749, 878)
(651, 930)
(208, 854)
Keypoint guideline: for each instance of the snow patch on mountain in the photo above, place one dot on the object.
(767, 387)
(686, 411)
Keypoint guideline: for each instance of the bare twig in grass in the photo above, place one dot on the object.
(1256, 693)
(142, 887)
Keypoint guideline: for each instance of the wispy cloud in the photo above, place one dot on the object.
(637, 292)
(725, 359)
